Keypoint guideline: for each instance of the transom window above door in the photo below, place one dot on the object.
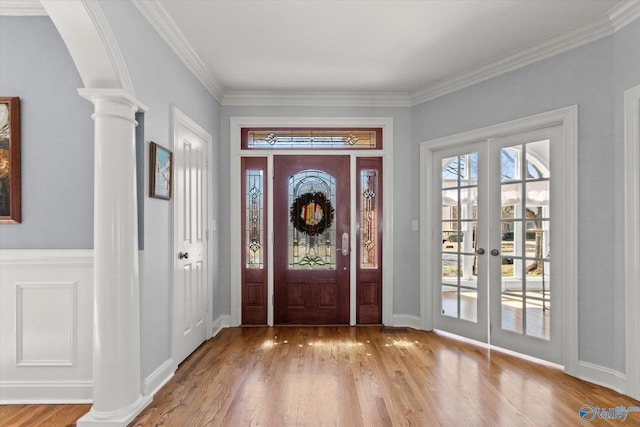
(311, 138)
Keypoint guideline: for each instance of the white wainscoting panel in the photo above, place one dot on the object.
(46, 327)
(46, 324)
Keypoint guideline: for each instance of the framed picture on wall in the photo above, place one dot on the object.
(160, 162)
(10, 202)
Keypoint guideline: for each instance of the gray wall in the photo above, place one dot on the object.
(57, 138)
(593, 77)
(58, 160)
(57, 144)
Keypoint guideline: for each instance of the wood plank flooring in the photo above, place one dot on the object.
(355, 376)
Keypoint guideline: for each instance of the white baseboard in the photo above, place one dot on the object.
(159, 378)
(603, 376)
(45, 392)
(220, 323)
(407, 320)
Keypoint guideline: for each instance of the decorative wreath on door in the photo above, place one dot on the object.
(311, 213)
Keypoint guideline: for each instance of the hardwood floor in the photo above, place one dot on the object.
(354, 376)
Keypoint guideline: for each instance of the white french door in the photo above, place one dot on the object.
(461, 219)
(494, 260)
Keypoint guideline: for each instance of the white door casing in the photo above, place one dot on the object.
(235, 155)
(632, 238)
(191, 286)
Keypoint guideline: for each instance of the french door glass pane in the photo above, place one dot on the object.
(525, 229)
(459, 201)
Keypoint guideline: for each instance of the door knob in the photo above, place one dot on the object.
(495, 252)
(183, 255)
(480, 251)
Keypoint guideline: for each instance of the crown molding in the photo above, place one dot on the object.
(160, 20)
(617, 18)
(21, 8)
(316, 99)
(624, 14)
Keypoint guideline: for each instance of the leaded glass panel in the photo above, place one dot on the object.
(369, 218)
(268, 138)
(254, 218)
(312, 234)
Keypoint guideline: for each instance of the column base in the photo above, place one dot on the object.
(119, 418)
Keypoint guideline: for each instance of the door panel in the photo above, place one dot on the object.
(254, 242)
(462, 294)
(526, 302)
(190, 285)
(369, 238)
(311, 262)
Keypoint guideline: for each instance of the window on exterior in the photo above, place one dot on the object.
(305, 138)
(254, 219)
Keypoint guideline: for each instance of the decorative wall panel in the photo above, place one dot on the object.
(46, 324)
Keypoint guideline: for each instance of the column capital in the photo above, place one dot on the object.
(119, 96)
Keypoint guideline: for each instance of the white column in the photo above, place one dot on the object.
(117, 397)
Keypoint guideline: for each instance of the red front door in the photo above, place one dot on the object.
(311, 239)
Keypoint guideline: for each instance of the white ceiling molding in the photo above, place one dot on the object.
(316, 99)
(153, 10)
(159, 19)
(618, 18)
(21, 8)
(624, 14)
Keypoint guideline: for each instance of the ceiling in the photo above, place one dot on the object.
(384, 47)
(374, 52)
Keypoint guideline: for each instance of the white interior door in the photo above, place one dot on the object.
(191, 291)
(493, 245)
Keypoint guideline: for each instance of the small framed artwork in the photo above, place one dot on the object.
(160, 160)
(10, 202)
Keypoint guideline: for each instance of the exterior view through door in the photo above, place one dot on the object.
(326, 207)
(496, 252)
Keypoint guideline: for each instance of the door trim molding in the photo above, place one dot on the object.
(235, 153)
(180, 119)
(568, 119)
(632, 238)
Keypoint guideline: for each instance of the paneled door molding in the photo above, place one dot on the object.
(632, 237)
